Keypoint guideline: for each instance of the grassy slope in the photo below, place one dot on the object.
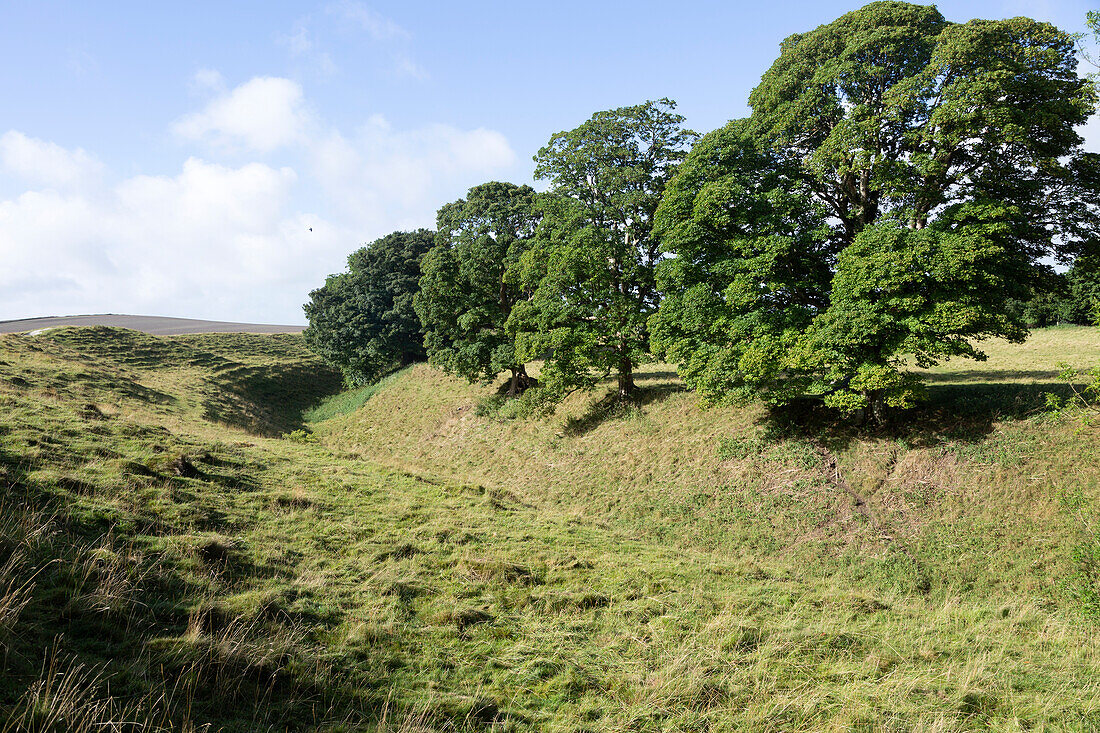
(914, 574)
(663, 568)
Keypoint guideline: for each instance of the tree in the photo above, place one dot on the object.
(894, 122)
(1083, 284)
(891, 110)
(1092, 22)
(591, 269)
(901, 293)
(362, 321)
(466, 289)
(750, 266)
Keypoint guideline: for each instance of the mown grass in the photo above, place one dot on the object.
(424, 567)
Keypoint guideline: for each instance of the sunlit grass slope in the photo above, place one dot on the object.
(946, 549)
(430, 564)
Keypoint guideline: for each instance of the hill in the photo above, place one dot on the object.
(418, 559)
(156, 325)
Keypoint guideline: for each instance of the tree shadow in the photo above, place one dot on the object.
(647, 375)
(950, 413)
(992, 376)
(614, 407)
(268, 400)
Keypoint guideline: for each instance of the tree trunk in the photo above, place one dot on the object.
(875, 412)
(626, 377)
(519, 382)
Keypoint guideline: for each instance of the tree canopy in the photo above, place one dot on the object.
(751, 265)
(467, 289)
(938, 164)
(892, 111)
(592, 268)
(362, 321)
(901, 188)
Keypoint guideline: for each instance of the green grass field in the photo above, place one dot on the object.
(415, 559)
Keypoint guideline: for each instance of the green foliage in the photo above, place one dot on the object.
(503, 408)
(1083, 400)
(1092, 22)
(1084, 583)
(1070, 297)
(900, 292)
(892, 110)
(362, 321)
(1082, 302)
(592, 267)
(1083, 580)
(301, 435)
(899, 182)
(751, 266)
(467, 290)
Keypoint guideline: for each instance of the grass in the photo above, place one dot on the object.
(424, 567)
(346, 402)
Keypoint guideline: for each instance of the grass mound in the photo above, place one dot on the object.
(417, 565)
(258, 383)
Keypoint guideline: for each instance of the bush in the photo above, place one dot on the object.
(300, 436)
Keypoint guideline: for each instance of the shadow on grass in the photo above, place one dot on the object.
(159, 637)
(614, 407)
(644, 375)
(959, 413)
(992, 377)
(268, 400)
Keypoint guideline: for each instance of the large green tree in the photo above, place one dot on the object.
(892, 110)
(466, 288)
(362, 321)
(944, 160)
(592, 268)
(750, 271)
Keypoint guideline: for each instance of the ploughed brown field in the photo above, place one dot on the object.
(155, 325)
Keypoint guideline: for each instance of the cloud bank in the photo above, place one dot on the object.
(224, 240)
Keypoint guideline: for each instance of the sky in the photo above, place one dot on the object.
(218, 160)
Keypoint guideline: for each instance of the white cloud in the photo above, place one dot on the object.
(302, 45)
(42, 163)
(378, 26)
(391, 38)
(299, 42)
(82, 63)
(211, 241)
(207, 81)
(405, 66)
(379, 172)
(220, 241)
(261, 115)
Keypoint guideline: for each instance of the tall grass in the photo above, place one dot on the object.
(422, 566)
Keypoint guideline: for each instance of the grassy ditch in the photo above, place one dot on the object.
(421, 566)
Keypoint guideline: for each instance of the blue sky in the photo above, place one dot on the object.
(171, 160)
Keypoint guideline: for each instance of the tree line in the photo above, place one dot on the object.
(902, 190)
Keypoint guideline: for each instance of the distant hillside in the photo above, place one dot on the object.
(155, 325)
